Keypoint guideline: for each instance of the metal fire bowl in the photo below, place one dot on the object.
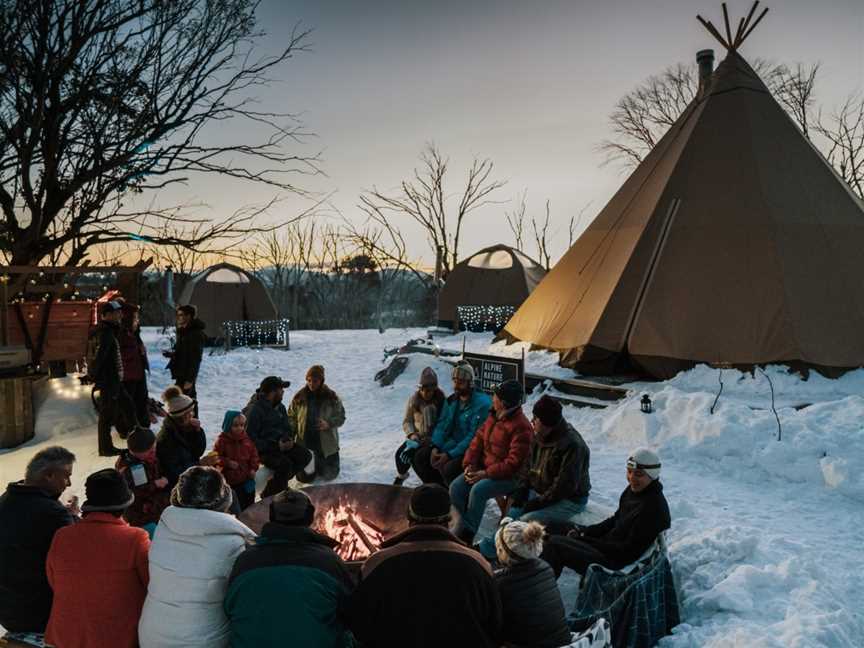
(384, 505)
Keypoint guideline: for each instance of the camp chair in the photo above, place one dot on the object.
(7, 641)
(639, 601)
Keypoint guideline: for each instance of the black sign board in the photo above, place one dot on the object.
(491, 371)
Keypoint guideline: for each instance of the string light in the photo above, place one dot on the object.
(484, 318)
(257, 332)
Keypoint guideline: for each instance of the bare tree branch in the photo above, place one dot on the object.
(423, 200)
(516, 221)
(101, 100)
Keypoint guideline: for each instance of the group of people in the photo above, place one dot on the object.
(157, 557)
(484, 448)
(118, 367)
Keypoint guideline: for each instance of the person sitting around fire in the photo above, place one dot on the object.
(440, 462)
(421, 414)
(268, 427)
(238, 458)
(493, 459)
(642, 515)
(290, 578)
(315, 416)
(533, 610)
(140, 467)
(553, 484)
(181, 442)
(451, 598)
(98, 570)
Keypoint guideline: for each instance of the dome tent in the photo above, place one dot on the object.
(225, 292)
(494, 276)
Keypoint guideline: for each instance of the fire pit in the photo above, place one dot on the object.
(358, 516)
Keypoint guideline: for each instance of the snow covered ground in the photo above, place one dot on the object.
(767, 537)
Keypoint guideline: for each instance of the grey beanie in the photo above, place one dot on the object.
(463, 371)
(428, 378)
(645, 459)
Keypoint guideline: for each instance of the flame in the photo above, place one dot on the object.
(357, 538)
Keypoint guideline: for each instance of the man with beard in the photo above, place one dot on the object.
(315, 415)
(268, 426)
(464, 411)
(30, 514)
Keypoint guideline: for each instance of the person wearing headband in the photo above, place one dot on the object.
(642, 515)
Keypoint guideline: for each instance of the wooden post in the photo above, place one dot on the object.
(4, 310)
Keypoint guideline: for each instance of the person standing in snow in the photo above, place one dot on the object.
(553, 485)
(98, 570)
(315, 416)
(140, 467)
(268, 427)
(642, 515)
(464, 410)
(493, 459)
(238, 457)
(185, 359)
(421, 414)
(30, 515)
(533, 611)
(181, 441)
(135, 364)
(290, 578)
(191, 557)
(116, 408)
(451, 599)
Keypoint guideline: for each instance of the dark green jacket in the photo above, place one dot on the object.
(289, 588)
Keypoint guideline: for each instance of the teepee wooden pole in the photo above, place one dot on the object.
(758, 20)
(726, 20)
(713, 31)
(749, 18)
(738, 33)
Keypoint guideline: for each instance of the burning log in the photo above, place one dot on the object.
(357, 537)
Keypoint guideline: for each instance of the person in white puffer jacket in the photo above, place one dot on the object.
(191, 556)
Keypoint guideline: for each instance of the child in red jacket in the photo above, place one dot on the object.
(239, 458)
(140, 467)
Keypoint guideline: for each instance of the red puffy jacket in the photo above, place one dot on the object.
(501, 445)
(243, 452)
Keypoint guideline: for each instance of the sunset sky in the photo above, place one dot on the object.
(528, 84)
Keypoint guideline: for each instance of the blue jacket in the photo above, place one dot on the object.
(454, 436)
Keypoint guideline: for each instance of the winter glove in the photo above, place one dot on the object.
(410, 447)
(249, 486)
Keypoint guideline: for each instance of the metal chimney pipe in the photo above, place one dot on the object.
(705, 60)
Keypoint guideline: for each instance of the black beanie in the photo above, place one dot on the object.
(430, 504)
(141, 439)
(548, 411)
(292, 507)
(106, 490)
(510, 393)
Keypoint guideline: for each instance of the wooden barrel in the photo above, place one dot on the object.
(17, 420)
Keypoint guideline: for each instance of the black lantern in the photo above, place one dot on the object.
(645, 404)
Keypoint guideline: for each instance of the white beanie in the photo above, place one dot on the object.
(645, 459)
(177, 402)
(518, 540)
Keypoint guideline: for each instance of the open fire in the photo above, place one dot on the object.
(358, 537)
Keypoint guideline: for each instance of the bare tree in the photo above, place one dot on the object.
(424, 200)
(573, 225)
(102, 100)
(516, 221)
(541, 234)
(643, 115)
(843, 130)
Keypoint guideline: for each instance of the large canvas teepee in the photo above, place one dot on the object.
(733, 242)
